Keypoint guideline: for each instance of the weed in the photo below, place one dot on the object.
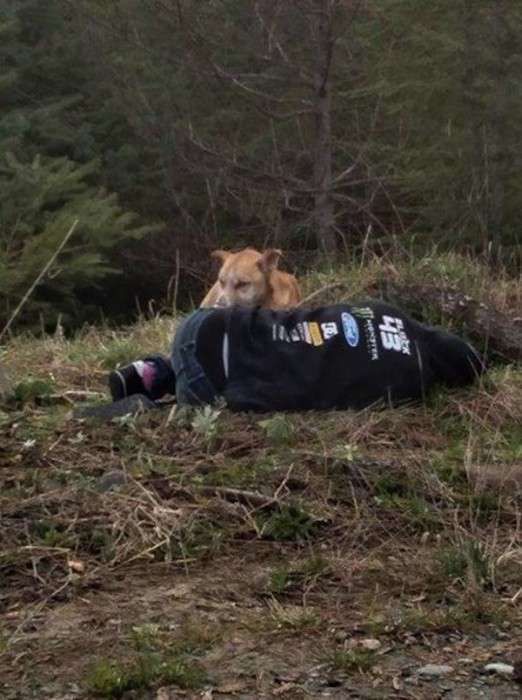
(195, 638)
(345, 453)
(279, 429)
(463, 616)
(391, 484)
(145, 637)
(108, 679)
(467, 563)
(484, 505)
(205, 423)
(111, 679)
(152, 663)
(101, 542)
(449, 465)
(118, 352)
(49, 535)
(241, 474)
(290, 522)
(33, 390)
(353, 660)
(293, 617)
(285, 579)
(198, 538)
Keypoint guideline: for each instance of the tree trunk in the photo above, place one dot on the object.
(323, 205)
(499, 138)
(499, 333)
(6, 386)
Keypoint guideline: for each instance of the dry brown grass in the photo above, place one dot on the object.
(397, 524)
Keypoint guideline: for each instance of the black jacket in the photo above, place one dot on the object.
(342, 356)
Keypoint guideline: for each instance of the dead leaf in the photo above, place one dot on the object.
(284, 688)
(77, 566)
(231, 687)
(179, 591)
(163, 694)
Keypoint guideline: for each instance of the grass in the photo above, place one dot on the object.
(289, 578)
(280, 527)
(353, 660)
(467, 563)
(289, 522)
(154, 659)
(295, 618)
(111, 679)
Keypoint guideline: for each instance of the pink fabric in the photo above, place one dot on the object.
(148, 375)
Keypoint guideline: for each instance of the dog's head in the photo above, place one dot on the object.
(244, 277)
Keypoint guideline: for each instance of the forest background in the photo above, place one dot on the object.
(170, 127)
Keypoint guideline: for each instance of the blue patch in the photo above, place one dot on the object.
(351, 329)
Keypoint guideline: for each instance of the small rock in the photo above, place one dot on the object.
(77, 566)
(111, 481)
(434, 670)
(370, 644)
(517, 670)
(465, 660)
(500, 668)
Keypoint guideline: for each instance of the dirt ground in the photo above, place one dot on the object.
(202, 554)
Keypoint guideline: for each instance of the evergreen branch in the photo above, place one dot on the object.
(39, 278)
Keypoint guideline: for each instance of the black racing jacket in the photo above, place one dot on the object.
(342, 356)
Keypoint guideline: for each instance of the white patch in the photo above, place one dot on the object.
(139, 366)
(225, 354)
(371, 339)
(393, 336)
(329, 329)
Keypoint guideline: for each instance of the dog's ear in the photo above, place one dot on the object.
(269, 259)
(221, 255)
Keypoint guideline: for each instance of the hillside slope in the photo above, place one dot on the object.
(207, 554)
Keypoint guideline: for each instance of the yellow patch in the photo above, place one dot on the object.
(315, 332)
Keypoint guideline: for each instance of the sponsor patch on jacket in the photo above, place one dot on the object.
(329, 329)
(371, 339)
(393, 335)
(350, 329)
(364, 312)
(315, 333)
(309, 332)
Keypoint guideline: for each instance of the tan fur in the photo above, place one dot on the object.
(251, 278)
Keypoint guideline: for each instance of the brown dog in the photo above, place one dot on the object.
(251, 278)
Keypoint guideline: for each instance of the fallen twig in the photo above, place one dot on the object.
(42, 274)
(249, 497)
(318, 292)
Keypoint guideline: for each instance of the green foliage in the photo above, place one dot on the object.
(467, 563)
(296, 617)
(118, 352)
(39, 201)
(111, 679)
(205, 423)
(33, 390)
(153, 662)
(111, 107)
(290, 522)
(279, 429)
(353, 660)
(285, 579)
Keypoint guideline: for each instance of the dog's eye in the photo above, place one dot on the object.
(242, 284)
(222, 282)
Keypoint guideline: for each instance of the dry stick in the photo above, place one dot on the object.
(326, 288)
(38, 279)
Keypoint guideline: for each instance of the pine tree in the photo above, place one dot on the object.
(39, 201)
(51, 172)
